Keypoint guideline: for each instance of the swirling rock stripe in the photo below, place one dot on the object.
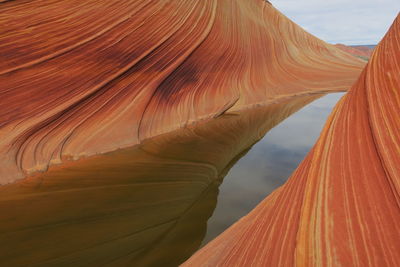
(341, 207)
(79, 78)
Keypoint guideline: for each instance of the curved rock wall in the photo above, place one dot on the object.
(78, 78)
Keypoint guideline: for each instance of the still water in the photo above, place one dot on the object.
(268, 164)
(155, 204)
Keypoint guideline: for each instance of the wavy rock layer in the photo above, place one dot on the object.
(341, 207)
(141, 206)
(84, 77)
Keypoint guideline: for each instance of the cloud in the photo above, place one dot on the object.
(342, 21)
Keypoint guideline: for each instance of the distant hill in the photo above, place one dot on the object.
(361, 51)
(368, 46)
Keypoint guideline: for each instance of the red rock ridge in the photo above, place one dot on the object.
(341, 207)
(79, 78)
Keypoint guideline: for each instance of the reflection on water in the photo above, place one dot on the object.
(269, 164)
(147, 205)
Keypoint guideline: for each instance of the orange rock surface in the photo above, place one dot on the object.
(78, 78)
(341, 207)
(360, 51)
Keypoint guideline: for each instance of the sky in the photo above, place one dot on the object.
(350, 22)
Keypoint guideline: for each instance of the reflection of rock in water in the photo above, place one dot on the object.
(144, 205)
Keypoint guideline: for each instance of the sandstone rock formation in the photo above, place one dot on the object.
(140, 206)
(341, 207)
(78, 78)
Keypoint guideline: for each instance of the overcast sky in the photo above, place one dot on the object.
(342, 21)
